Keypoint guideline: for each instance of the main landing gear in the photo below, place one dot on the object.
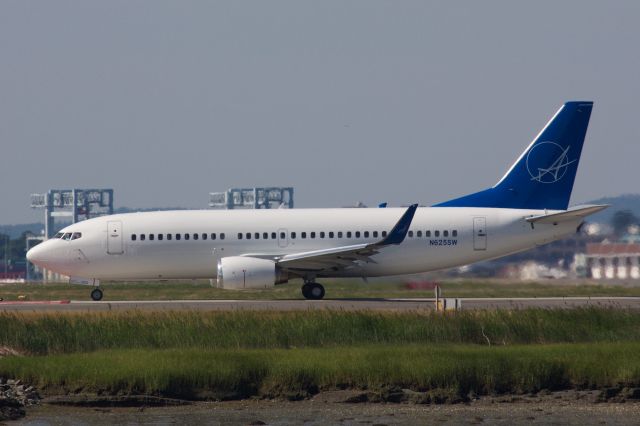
(96, 294)
(312, 291)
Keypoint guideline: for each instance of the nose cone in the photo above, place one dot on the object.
(55, 255)
(36, 255)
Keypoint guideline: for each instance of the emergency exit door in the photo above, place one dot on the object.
(283, 238)
(114, 237)
(479, 233)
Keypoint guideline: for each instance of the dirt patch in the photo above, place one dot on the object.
(387, 395)
(89, 400)
(527, 412)
(7, 351)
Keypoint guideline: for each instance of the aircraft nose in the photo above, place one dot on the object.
(36, 255)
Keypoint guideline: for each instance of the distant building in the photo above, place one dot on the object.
(273, 197)
(613, 260)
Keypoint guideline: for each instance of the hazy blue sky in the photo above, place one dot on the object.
(394, 101)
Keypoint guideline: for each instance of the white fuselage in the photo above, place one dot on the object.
(439, 237)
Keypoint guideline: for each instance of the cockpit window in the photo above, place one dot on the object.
(67, 236)
(58, 235)
(76, 235)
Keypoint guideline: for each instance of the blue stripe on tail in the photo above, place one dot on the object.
(542, 177)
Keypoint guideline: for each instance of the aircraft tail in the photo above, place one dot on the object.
(542, 177)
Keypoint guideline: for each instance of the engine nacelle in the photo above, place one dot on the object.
(239, 273)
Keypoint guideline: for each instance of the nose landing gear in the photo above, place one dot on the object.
(312, 290)
(96, 294)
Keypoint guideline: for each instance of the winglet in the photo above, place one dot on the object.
(399, 231)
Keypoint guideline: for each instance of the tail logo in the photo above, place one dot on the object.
(547, 162)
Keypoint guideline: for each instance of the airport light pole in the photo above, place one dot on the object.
(6, 245)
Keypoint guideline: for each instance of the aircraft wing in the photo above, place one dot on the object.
(571, 214)
(347, 256)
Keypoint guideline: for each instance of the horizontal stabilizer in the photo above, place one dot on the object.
(573, 213)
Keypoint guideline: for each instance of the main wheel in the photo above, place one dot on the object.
(315, 291)
(306, 290)
(96, 294)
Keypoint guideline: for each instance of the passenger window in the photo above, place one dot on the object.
(357, 234)
(133, 237)
(348, 234)
(160, 236)
(186, 236)
(151, 237)
(222, 236)
(410, 234)
(178, 237)
(273, 236)
(418, 233)
(76, 235)
(366, 234)
(204, 236)
(195, 236)
(454, 233)
(313, 235)
(375, 234)
(283, 235)
(322, 234)
(427, 234)
(142, 237)
(303, 235)
(169, 237)
(436, 233)
(331, 234)
(256, 235)
(293, 235)
(248, 235)
(265, 235)
(239, 235)
(445, 233)
(339, 234)
(384, 233)
(213, 235)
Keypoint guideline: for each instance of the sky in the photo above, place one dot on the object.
(347, 101)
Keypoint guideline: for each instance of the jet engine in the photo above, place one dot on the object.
(238, 273)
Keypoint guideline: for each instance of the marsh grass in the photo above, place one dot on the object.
(57, 333)
(239, 373)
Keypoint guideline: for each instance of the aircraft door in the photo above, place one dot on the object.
(114, 237)
(283, 238)
(479, 233)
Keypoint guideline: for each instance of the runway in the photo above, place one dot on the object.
(331, 304)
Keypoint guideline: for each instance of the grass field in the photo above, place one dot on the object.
(54, 333)
(157, 290)
(198, 355)
(240, 373)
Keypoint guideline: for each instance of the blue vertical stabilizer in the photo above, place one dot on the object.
(542, 177)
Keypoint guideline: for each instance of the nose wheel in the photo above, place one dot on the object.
(96, 294)
(312, 291)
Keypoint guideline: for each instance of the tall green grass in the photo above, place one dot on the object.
(56, 333)
(228, 373)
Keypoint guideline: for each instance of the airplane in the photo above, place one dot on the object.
(256, 249)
